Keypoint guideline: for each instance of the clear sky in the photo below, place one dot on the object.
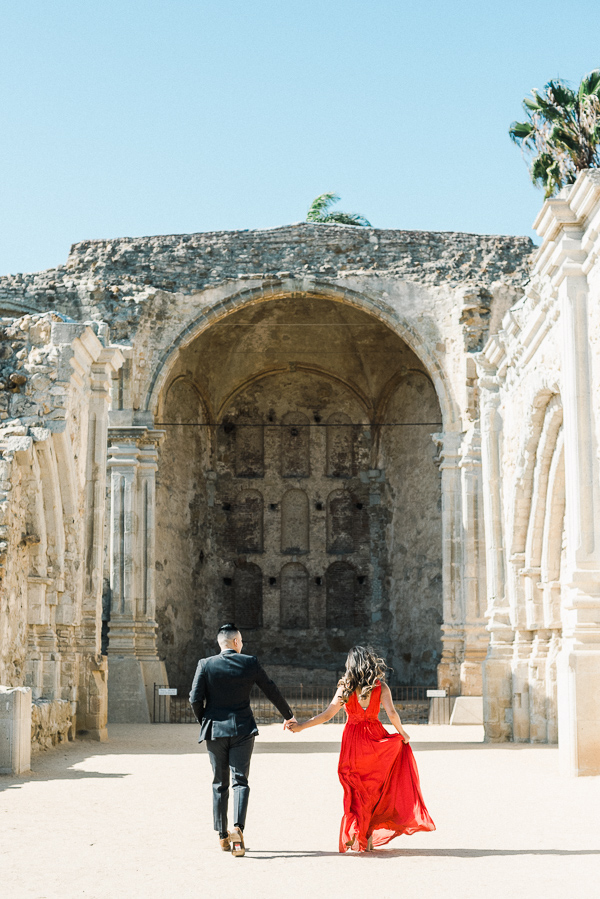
(134, 117)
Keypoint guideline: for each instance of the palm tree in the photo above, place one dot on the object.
(561, 135)
(319, 212)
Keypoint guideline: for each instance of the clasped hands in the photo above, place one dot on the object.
(292, 724)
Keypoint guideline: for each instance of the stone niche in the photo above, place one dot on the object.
(297, 493)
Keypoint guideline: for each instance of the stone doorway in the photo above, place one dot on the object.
(298, 494)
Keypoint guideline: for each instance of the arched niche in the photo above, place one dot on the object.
(340, 446)
(340, 583)
(341, 511)
(295, 446)
(248, 595)
(248, 522)
(293, 596)
(294, 522)
(249, 447)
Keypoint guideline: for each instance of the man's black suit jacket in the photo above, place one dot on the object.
(220, 695)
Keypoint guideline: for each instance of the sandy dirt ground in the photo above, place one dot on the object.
(132, 818)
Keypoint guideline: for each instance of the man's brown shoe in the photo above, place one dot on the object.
(224, 844)
(237, 842)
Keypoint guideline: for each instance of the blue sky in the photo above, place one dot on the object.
(134, 117)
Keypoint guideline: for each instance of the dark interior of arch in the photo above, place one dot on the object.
(287, 498)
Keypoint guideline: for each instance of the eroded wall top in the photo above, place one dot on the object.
(103, 278)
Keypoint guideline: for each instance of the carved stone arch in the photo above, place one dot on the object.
(223, 307)
(248, 595)
(341, 462)
(293, 600)
(545, 451)
(520, 500)
(42, 668)
(341, 515)
(537, 519)
(248, 522)
(359, 396)
(295, 525)
(554, 523)
(295, 445)
(341, 595)
(52, 503)
(390, 388)
(183, 401)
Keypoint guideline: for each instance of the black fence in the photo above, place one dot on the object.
(412, 704)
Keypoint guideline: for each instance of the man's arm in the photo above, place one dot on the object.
(272, 693)
(198, 692)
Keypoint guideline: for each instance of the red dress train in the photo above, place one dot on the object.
(382, 795)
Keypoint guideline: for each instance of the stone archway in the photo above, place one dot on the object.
(298, 476)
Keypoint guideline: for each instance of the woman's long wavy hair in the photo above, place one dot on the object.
(363, 669)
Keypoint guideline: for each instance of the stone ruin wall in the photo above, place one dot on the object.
(451, 289)
(49, 612)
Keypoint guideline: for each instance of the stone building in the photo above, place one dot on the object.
(330, 434)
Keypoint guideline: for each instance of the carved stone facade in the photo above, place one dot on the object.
(540, 417)
(54, 401)
(329, 434)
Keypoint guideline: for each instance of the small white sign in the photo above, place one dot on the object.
(436, 694)
(167, 691)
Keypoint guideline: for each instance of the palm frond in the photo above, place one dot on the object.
(520, 131)
(320, 205)
(560, 94)
(347, 218)
(561, 134)
(318, 212)
(590, 84)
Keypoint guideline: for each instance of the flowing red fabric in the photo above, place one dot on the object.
(382, 795)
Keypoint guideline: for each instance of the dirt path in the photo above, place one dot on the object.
(131, 818)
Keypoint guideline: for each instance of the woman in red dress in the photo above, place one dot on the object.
(382, 796)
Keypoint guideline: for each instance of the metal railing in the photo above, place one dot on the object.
(412, 705)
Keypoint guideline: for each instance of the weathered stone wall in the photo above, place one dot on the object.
(303, 512)
(109, 279)
(540, 415)
(521, 669)
(51, 723)
(294, 325)
(52, 438)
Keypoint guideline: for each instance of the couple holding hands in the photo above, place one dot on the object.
(382, 796)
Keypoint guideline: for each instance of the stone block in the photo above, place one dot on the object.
(15, 730)
(127, 699)
(467, 710)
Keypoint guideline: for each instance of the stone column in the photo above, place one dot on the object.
(453, 633)
(474, 575)
(132, 654)
(93, 701)
(153, 669)
(497, 680)
(579, 659)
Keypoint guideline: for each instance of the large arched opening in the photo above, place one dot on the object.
(298, 493)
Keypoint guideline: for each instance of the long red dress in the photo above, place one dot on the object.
(382, 795)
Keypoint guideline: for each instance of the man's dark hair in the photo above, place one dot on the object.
(227, 632)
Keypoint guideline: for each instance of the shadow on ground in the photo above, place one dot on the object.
(265, 854)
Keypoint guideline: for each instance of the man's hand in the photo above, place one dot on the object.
(287, 725)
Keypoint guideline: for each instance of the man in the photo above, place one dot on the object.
(220, 698)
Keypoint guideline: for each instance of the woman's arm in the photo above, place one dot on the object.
(388, 704)
(331, 710)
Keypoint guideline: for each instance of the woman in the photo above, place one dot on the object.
(382, 796)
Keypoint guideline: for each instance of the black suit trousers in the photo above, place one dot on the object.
(230, 753)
